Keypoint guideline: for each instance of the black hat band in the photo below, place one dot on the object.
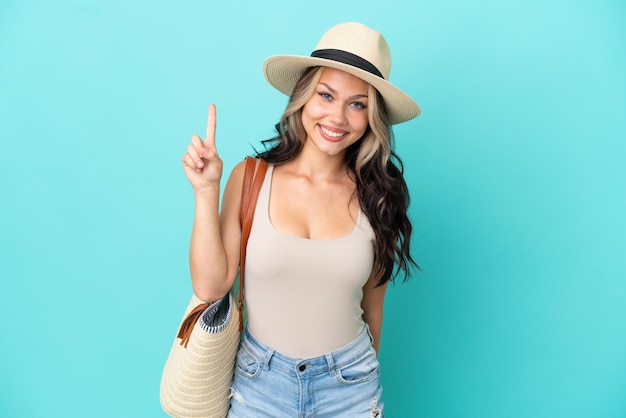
(347, 58)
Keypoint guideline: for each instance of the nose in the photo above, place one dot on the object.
(338, 114)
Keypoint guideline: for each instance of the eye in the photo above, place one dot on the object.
(324, 95)
(358, 105)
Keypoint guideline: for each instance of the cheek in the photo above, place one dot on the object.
(313, 110)
(359, 122)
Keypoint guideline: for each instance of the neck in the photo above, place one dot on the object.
(320, 166)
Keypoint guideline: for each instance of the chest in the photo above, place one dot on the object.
(313, 210)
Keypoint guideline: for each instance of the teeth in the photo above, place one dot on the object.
(331, 133)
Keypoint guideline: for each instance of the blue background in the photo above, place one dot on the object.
(516, 168)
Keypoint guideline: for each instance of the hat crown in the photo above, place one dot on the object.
(361, 41)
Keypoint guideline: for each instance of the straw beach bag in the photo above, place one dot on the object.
(198, 372)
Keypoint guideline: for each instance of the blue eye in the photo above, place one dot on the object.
(325, 96)
(358, 105)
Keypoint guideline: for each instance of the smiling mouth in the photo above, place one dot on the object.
(332, 134)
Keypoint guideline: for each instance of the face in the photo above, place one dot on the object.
(335, 117)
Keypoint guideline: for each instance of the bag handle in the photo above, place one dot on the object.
(252, 183)
(253, 177)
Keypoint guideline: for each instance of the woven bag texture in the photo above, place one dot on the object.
(196, 380)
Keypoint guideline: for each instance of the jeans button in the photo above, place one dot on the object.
(302, 367)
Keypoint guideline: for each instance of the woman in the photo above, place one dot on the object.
(330, 231)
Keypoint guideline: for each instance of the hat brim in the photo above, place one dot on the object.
(284, 71)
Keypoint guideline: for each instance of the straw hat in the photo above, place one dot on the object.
(355, 49)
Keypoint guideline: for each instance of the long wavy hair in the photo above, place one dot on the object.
(375, 167)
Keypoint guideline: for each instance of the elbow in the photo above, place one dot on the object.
(211, 284)
(209, 292)
(208, 296)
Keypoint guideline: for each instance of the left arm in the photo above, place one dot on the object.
(372, 304)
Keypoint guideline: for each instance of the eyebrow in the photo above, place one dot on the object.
(332, 90)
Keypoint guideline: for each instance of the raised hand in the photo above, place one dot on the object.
(202, 165)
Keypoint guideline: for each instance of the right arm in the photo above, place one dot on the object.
(215, 238)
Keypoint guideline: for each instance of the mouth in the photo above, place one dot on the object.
(332, 134)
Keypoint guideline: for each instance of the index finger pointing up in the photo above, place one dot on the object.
(209, 139)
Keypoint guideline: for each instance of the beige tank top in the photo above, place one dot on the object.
(304, 296)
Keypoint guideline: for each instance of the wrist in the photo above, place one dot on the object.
(208, 190)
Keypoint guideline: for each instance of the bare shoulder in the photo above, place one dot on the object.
(232, 193)
(236, 175)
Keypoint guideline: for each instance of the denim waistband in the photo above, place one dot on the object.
(326, 363)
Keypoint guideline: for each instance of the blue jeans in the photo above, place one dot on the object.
(343, 383)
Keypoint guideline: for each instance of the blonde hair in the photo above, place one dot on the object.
(290, 127)
(377, 140)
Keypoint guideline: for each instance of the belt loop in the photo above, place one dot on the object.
(331, 364)
(266, 359)
(369, 333)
